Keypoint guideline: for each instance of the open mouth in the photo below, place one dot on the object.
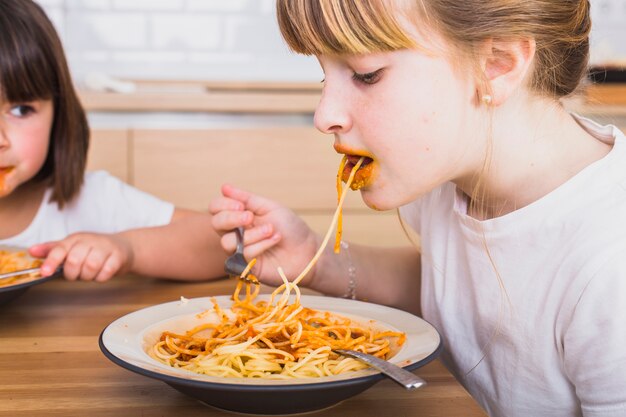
(363, 176)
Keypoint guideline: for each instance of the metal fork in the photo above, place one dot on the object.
(27, 272)
(18, 273)
(235, 264)
(403, 377)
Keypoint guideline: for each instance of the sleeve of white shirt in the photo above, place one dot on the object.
(595, 343)
(109, 205)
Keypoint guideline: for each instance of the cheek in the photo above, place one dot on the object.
(33, 149)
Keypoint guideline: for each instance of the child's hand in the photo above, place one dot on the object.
(274, 235)
(86, 256)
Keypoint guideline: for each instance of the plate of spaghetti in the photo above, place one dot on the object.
(14, 259)
(271, 353)
(267, 354)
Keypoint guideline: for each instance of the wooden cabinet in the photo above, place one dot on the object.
(368, 228)
(294, 165)
(109, 150)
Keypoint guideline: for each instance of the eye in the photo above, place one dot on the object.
(368, 78)
(21, 110)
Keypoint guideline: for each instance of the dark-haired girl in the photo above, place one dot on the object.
(94, 224)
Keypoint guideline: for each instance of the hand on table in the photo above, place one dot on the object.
(86, 256)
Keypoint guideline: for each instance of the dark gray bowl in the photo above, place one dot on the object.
(124, 340)
(11, 292)
(266, 399)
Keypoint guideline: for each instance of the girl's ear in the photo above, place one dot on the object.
(506, 66)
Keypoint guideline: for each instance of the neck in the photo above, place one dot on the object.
(534, 147)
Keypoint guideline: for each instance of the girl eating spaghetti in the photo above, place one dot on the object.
(455, 108)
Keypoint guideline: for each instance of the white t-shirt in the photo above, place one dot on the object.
(557, 345)
(105, 205)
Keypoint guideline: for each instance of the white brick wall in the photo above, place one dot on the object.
(177, 39)
(221, 39)
(90, 31)
(608, 37)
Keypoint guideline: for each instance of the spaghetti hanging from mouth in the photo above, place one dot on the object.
(340, 193)
(275, 339)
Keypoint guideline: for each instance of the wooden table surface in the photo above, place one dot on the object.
(50, 363)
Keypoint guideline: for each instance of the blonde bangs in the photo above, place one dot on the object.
(337, 27)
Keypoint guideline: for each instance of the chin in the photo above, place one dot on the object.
(376, 200)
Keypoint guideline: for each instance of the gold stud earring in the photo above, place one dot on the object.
(487, 99)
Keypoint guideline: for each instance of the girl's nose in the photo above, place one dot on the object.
(331, 114)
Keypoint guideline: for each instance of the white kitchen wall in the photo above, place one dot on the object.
(608, 36)
(222, 39)
(177, 39)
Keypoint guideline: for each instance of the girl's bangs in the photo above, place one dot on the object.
(26, 73)
(338, 27)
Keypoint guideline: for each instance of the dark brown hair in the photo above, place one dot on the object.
(33, 67)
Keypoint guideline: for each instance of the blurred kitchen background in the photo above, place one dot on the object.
(222, 39)
(184, 95)
(200, 39)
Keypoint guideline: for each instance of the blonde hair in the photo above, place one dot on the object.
(559, 28)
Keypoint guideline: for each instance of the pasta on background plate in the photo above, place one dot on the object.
(11, 261)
